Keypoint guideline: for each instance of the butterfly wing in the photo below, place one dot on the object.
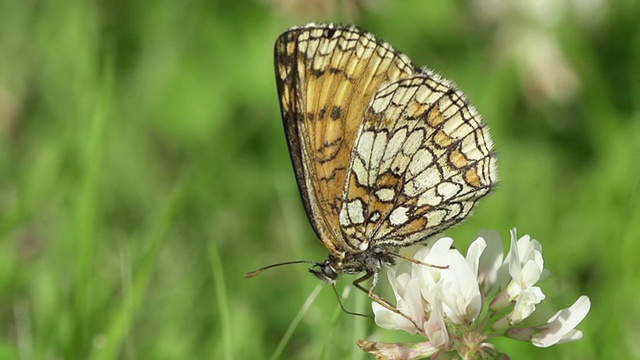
(326, 76)
(421, 161)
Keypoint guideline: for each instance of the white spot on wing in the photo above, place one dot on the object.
(352, 213)
(430, 198)
(448, 189)
(420, 161)
(386, 194)
(425, 180)
(471, 149)
(415, 139)
(399, 216)
(395, 143)
(363, 151)
(435, 217)
(377, 152)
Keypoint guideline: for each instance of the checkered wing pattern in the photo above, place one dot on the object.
(385, 153)
(421, 161)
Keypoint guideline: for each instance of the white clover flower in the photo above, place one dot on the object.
(493, 272)
(460, 290)
(480, 296)
(410, 303)
(525, 264)
(559, 329)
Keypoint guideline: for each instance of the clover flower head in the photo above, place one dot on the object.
(482, 295)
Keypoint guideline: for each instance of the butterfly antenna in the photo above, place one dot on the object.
(335, 290)
(259, 271)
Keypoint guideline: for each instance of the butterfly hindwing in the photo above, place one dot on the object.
(421, 161)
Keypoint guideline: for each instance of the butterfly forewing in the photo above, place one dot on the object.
(326, 77)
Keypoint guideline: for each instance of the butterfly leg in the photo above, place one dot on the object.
(375, 297)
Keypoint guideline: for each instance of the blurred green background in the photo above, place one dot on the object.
(144, 169)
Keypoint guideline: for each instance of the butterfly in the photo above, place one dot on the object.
(385, 153)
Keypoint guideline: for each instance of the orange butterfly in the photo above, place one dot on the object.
(386, 154)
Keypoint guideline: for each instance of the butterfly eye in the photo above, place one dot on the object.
(326, 273)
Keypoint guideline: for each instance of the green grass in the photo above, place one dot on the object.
(144, 170)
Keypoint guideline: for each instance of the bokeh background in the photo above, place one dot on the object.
(144, 169)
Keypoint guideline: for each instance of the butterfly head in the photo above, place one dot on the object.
(325, 271)
(352, 263)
